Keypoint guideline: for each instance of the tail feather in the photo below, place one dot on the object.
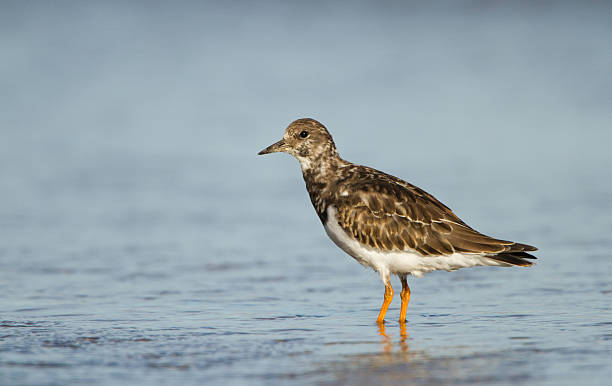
(518, 247)
(514, 258)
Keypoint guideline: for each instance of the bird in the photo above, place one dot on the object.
(384, 222)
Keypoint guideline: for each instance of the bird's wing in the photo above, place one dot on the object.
(396, 216)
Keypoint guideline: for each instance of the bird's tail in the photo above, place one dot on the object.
(516, 255)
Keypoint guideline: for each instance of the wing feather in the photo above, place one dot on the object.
(393, 215)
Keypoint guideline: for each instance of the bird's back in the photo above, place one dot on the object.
(388, 214)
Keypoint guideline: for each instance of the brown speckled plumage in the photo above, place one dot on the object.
(385, 212)
(387, 215)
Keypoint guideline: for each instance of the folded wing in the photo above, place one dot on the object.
(393, 215)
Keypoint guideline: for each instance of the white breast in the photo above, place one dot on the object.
(399, 262)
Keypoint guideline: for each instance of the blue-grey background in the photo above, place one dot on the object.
(142, 241)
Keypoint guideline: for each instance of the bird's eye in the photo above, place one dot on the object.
(304, 134)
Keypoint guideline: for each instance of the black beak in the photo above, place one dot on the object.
(274, 148)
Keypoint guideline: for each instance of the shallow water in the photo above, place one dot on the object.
(144, 242)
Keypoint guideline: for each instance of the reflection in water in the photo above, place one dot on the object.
(387, 340)
(403, 336)
(396, 363)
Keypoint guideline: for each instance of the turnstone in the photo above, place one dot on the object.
(386, 223)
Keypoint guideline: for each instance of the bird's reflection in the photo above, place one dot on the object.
(393, 363)
(387, 341)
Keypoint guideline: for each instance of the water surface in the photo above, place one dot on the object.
(144, 242)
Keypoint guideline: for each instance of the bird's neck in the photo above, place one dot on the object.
(322, 168)
(321, 175)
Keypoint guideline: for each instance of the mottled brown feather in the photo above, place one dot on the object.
(393, 215)
(383, 211)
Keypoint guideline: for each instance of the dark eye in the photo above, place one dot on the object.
(304, 134)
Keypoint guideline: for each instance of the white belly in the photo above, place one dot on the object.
(399, 262)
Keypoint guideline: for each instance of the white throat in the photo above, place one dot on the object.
(305, 163)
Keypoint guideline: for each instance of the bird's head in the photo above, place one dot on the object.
(305, 139)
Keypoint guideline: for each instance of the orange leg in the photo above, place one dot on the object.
(405, 296)
(386, 302)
